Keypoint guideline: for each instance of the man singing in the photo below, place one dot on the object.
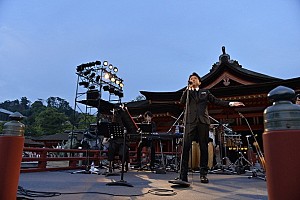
(197, 123)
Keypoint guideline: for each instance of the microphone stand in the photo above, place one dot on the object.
(177, 181)
(125, 121)
(177, 119)
(122, 182)
(224, 126)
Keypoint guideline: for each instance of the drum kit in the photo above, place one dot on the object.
(222, 139)
(225, 151)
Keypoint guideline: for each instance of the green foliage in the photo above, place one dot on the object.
(50, 121)
(84, 120)
(12, 106)
(54, 117)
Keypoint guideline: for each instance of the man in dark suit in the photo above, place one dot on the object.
(197, 123)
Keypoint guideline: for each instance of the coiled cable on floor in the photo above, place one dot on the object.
(162, 192)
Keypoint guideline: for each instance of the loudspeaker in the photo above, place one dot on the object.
(92, 95)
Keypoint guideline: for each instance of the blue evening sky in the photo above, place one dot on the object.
(155, 44)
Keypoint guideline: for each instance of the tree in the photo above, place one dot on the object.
(84, 120)
(12, 106)
(30, 121)
(55, 117)
(37, 106)
(25, 103)
(50, 121)
(61, 104)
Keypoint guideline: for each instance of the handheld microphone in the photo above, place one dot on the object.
(190, 82)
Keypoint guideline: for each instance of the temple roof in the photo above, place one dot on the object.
(228, 78)
(59, 136)
(229, 91)
(227, 72)
(5, 111)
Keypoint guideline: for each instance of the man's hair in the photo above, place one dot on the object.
(297, 96)
(195, 74)
(148, 113)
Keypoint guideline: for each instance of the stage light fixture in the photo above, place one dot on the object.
(106, 88)
(91, 64)
(87, 72)
(80, 68)
(113, 79)
(111, 90)
(121, 94)
(97, 78)
(84, 83)
(117, 92)
(100, 74)
(115, 69)
(92, 75)
(106, 75)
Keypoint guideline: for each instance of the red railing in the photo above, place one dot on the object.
(42, 156)
(75, 158)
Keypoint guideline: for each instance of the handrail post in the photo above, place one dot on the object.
(42, 164)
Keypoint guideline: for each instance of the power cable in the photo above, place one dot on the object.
(33, 193)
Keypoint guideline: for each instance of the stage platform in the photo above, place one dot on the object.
(63, 185)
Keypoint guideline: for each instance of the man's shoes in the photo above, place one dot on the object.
(184, 178)
(180, 183)
(203, 179)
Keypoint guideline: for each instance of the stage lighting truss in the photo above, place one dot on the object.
(97, 75)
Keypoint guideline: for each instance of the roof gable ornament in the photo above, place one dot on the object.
(226, 81)
(225, 58)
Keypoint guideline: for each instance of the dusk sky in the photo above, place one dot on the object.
(155, 44)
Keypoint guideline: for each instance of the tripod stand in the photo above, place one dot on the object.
(89, 169)
(116, 143)
(174, 163)
(226, 165)
(241, 162)
(131, 127)
(255, 170)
